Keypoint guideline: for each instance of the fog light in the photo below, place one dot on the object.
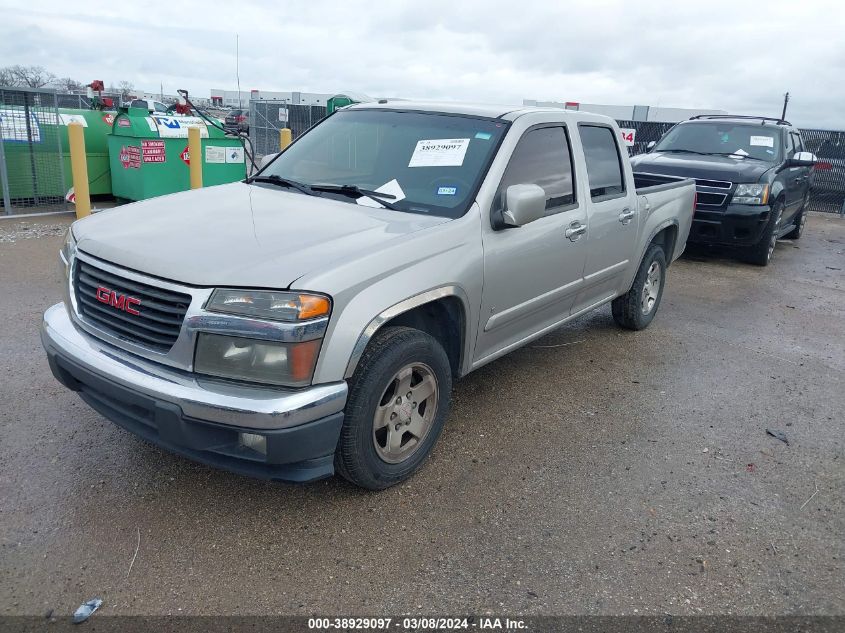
(255, 442)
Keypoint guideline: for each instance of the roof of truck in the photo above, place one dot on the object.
(446, 107)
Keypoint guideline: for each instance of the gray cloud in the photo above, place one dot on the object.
(737, 56)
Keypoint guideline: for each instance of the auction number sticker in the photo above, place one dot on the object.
(440, 152)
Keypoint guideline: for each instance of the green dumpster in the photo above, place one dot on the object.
(31, 155)
(148, 154)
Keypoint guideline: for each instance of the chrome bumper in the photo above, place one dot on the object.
(198, 397)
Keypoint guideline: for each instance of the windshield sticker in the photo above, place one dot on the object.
(447, 191)
(763, 141)
(391, 188)
(439, 152)
(740, 152)
(484, 136)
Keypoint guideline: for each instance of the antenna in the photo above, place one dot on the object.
(785, 101)
(238, 67)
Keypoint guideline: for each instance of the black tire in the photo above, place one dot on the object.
(357, 458)
(761, 252)
(628, 310)
(799, 222)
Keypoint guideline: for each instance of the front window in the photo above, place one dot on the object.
(723, 138)
(430, 163)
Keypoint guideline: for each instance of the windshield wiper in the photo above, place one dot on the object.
(685, 151)
(736, 154)
(273, 179)
(354, 191)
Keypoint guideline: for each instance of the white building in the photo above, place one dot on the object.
(627, 113)
(232, 99)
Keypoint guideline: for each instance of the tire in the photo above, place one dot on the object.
(368, 453)
(761, 253)
(799, 222)
(635, 309)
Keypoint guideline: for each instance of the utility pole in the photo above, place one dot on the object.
(238, 67)
(785, 101)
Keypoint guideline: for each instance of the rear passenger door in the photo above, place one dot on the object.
(612, 217)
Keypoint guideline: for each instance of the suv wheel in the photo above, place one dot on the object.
(761, 253)
(398, 402)
(799, 222)
(635, 309)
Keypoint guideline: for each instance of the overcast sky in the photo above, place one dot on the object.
(736, 56)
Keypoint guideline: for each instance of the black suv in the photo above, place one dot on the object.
(752, 176)
(237, 121)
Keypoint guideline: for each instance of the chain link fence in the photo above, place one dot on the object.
(827, 188)
(266, 118)
(83, 102)
(31, 164)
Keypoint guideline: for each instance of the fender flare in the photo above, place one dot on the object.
(401, 307)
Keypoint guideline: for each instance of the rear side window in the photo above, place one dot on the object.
(542, 157)
(604, 165)
(796, 140)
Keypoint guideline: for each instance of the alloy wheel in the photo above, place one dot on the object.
(651, 288)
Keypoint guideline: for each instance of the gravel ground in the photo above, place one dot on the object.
(594, 472)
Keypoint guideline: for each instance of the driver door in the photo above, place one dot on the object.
(533, 272)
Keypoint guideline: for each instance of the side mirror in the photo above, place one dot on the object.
(650, 145)
(524, 204)
(802, 159)
(266, 160)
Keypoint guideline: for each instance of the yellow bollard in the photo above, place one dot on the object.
(284, 138)
(79, 167)
(195, 153)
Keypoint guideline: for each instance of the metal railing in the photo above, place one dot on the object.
(266, 118)
(32, 168)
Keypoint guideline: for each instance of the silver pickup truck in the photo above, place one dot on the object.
(313, 318)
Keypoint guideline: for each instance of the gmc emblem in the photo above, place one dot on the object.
(121, 302)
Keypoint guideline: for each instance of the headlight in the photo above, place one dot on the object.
(263, 304)
(287, 364)
(68, 248)
(751, 194)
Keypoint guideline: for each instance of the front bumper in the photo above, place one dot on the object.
(737, 225)
(203, 419)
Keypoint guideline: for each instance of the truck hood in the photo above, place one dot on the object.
(241, 235)
(701, 167)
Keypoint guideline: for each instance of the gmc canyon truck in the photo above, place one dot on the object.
(312, 319)
(753, 178)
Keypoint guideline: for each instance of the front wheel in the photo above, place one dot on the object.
(761, 253)
(635, 309)
(398, 402)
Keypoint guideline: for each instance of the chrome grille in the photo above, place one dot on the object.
(160, 312)
(712, 194)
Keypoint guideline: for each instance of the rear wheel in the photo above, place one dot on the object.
(635, 309)
(761, 253)
(397, 405)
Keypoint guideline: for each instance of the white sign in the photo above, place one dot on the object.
(283, 115)
(391, 188)
(628, 135)
(763, 141)
(72, 118)
(234, 154)
(13, 126)
(440, 152)
(177, 126)
(215, 154)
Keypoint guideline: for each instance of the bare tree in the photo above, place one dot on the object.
(67, 84)
(29, 76)
(125, 88)
(6, 77)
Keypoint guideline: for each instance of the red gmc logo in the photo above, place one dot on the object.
(121, 302)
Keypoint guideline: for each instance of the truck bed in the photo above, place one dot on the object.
(652, 183)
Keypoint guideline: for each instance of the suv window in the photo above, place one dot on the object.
(790, 145)
(796, 140)
(542, 157)
(604, 165)
(138, 103)
(159, 107)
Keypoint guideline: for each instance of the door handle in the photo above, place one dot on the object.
(575, 230)
(626, 216)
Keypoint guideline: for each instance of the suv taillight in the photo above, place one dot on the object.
(823, 166)
(241, 118)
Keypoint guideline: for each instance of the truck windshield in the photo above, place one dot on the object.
(422, 162)
(757, 141)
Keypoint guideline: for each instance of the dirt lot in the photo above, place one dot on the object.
(597, 471)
